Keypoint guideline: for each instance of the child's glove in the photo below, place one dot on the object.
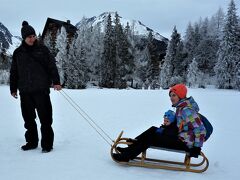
(159, 130)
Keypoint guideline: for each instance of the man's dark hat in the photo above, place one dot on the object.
(27, 30)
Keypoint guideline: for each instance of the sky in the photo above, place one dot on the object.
(159, 15)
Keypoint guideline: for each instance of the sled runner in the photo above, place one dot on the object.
(143, 161)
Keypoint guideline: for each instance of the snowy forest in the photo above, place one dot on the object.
(114, 56)
(108, 55)
(208, 54)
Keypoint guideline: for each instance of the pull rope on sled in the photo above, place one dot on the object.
(85, 116)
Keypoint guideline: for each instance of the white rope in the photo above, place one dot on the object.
(89, 120)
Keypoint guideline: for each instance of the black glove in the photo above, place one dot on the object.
(194, 151)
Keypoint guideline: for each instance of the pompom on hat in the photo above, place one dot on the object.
(27, 30)
(180, 90)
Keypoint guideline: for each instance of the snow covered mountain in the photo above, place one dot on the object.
(138, 27)
(7, 40)
(5, 37)
(16, 41)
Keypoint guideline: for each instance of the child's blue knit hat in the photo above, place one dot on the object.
(170, 115)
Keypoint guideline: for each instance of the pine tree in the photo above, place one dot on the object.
(91, 47)
(189, 45)
(128, 58)
(229, 51)
(50, 43)
(216, 24)
(194, 75)
(108, 65)
(124, 59)
(120, 82)
(76, 71)
(206, 49)
(172, 68)
(94, 54)
(203, 32)
(47, 41)
(153, 69)
(139, 55)
(166, 72)
(70, 68)
(5, 64)
(62, 57)
(238, 76)
(141, 59)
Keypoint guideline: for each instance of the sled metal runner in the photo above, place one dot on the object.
(143, 161)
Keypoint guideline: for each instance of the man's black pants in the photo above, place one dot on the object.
(39, 101)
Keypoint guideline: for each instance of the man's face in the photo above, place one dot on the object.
(30, 39)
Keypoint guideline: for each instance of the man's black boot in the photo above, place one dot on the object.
(29, 146)
(46, 150)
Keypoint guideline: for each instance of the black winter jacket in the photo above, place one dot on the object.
(33, 69)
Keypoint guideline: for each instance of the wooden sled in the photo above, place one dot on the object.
(143, 161)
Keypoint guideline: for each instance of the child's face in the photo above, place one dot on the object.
(166, 121)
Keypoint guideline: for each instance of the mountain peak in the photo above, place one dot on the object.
(138, 27)
(7, 40)
(5, 37)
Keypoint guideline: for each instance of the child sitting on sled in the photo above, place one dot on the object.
(168, 128)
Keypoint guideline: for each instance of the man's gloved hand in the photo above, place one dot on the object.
(57, 87)
(194, 151)
(159, 130)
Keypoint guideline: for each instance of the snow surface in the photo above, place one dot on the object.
(80, 153)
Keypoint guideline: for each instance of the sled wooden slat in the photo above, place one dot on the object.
(144, 161)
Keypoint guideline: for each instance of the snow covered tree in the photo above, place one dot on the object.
(4, 76)
(166, 72)
(189, 45)
(229, 51)
(5, 64)
(141, 59)
(94, 54)
(62, 56)
(203, 31)
(172, 68)
(128, 58)
(153, 69)
(206, 55)
(238, 76)
(216, 24)
(120, 81)
(194, 75)
(91, 44)
(76, 69)
(205, 49)
(124, 58)
(108, 65)
(50, 43)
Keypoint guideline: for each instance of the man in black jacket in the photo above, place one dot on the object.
(32, 72)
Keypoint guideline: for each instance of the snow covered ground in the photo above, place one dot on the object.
(80, 153)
